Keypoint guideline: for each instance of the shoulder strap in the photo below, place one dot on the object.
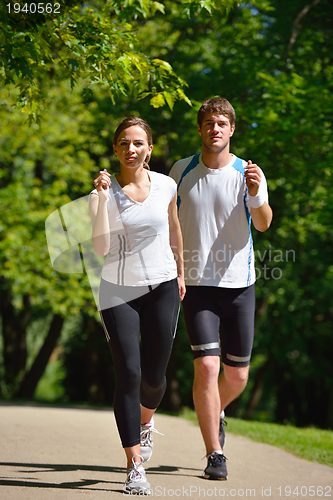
(193, 163)
(238, 165)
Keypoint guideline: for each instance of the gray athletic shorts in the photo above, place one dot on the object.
(220, 319)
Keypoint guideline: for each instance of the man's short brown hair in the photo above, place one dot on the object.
(217, 105)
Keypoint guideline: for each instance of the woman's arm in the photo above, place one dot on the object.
(99, 214)
(176, 243)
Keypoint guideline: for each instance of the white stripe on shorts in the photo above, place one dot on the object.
(238, 358)
(203, 347)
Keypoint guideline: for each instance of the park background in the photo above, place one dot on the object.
(66, 82)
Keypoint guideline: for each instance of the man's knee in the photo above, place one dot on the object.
(206, 369)
(236, 375)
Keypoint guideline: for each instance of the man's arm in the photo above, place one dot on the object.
(261, 217)
(261, 212)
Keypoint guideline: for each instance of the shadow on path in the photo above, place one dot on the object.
(86, 484)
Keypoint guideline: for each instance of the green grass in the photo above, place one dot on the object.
(49, 388)
(310, 443)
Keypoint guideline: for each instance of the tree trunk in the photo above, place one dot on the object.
(32, 378)
(329, 416)
(14, 328)
(257, 390)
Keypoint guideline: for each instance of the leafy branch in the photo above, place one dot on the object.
(94, 42)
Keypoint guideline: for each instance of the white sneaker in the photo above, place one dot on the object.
(146, 440)
(136, 481)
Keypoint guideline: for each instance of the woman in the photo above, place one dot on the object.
(135, 224)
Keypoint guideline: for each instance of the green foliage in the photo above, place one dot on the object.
(50, 387)
(43, 167)
(94, 42)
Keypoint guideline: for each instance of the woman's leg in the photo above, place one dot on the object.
(158, 319)
(122, 326)
(158, 315)
(146, 414)
(132, 455)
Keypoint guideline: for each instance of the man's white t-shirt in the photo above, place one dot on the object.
(140, 252)
(216, 223)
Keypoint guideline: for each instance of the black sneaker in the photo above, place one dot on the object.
(216, 467)
(222, 432)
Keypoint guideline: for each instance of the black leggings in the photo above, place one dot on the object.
(139, 378)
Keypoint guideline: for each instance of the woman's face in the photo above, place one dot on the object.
(132, 147)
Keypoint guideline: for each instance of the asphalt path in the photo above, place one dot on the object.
(57, 453)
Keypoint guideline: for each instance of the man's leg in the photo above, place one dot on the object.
(202, 324)
(231, 383)
(236, 333)
(207, 399)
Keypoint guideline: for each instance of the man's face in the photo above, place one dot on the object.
(215, 132)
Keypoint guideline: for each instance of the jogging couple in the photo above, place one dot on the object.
(140, 222)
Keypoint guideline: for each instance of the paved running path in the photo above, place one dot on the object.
(49, 453)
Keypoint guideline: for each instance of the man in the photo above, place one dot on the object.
(218, 195)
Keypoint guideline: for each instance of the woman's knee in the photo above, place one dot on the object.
(152, 393)
(128, 377)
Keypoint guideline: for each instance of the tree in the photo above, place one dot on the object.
(92, 41)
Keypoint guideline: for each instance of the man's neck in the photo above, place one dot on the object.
(216, 160)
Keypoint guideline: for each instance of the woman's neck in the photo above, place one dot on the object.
(136, 184)
(132, 176)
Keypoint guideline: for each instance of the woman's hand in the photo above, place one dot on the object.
(181, 286)
(102, 183)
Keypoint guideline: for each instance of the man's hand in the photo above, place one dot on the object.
(253, 177)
